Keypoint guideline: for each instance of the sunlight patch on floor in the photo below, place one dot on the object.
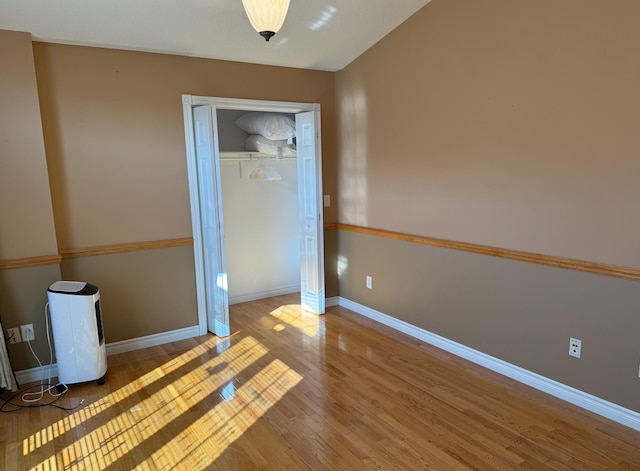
(295, 316)
(167, 421)
(55, 430)
(86, 413)
(228, 420)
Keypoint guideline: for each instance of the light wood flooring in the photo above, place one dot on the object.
(294, 391)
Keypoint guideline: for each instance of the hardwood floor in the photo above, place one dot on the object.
(294, 391)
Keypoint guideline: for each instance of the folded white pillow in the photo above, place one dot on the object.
(267, 146)
(270, 125)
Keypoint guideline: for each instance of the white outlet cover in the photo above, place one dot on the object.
(25, 330)
(13, 335)
(575, 347)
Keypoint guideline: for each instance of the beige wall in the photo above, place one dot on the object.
(141, 293)
(26, 217)
(23, 296)
(332, 286)
(519, 312)
(116, 167)
(114, 135)
(509, 124)
(26, 227)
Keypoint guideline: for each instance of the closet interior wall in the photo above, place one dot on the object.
(260, 219)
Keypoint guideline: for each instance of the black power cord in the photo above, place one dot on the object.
(18, 407)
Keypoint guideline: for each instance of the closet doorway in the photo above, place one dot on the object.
(205, 190)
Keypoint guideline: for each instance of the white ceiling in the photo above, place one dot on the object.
(317, 34)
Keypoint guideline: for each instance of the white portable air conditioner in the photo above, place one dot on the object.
(76, 322)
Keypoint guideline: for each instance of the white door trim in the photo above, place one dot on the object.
(188, 102)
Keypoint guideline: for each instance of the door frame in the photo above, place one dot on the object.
(190, 101)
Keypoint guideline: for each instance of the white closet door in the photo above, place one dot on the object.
(209, 189)
(310, 211)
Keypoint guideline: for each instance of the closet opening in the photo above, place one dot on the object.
(250, 202)
(259, 178)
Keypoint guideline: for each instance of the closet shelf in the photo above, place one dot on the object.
(249, 155)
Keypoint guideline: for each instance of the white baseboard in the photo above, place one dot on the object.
(333, 301)
(574, 396)
(152, 340)
(36, 374)
(264, 294)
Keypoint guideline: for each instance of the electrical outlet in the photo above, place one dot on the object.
(575, 347)
(369, 282)
(27, 332)
(13, 335)
(327, 201)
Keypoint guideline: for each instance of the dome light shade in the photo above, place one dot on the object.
(266, 16)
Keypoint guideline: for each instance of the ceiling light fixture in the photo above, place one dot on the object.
(266, 16)
(262, 172)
